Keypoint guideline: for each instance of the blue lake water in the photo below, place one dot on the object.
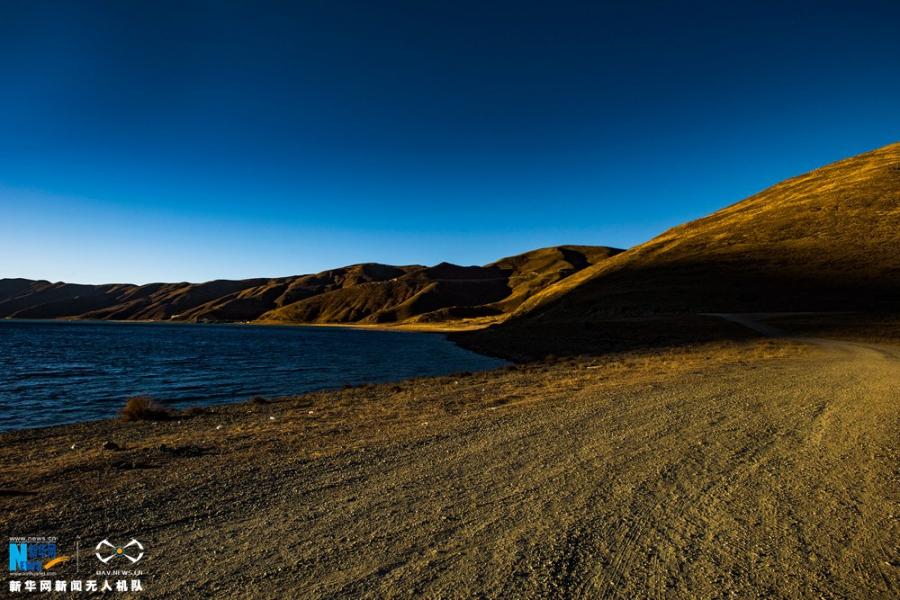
(54, 372)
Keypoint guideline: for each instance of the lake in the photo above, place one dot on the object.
(54, 372)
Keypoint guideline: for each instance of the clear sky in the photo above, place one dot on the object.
(156, 141)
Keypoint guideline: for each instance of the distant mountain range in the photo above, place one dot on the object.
(358, 294)
(828, 240)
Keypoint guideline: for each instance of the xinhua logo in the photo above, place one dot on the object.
(33, 554)
(105, 551)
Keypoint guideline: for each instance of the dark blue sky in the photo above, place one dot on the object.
(144, 141)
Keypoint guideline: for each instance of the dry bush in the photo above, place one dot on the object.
(144, 408)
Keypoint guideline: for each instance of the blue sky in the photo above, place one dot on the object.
(190, 141)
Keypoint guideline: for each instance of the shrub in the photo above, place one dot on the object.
(144, 408)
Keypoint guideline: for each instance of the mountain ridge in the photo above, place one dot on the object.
(811, 249)
(824, 240)
(367, 293)
(841, 220)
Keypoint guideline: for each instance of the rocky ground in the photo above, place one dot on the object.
(752, 469)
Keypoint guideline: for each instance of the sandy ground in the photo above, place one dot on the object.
(763, 469)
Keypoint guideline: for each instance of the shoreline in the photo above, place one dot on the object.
(489, 471)
(883, 328)
(106, 411)
(248, 405)
(402, 327)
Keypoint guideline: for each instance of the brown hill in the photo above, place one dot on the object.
(219, 300)
(369, 293)
(445, 292)
(826, 240)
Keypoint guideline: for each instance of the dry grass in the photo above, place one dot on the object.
(143, 408)
(826, 240)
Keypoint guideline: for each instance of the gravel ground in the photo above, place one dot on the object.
(761, 469)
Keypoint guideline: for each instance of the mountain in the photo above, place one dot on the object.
(363, 293)
(826, 240)
(445, 292)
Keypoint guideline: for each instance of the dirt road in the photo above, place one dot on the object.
(696, 476)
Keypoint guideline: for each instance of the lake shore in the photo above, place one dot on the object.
(487, 482)
(65, 371)
(439, 327)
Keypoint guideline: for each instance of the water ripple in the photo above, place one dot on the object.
(62, 372)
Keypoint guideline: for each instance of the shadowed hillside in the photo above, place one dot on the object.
(828, 240)
(445, 292)
(366, 293)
